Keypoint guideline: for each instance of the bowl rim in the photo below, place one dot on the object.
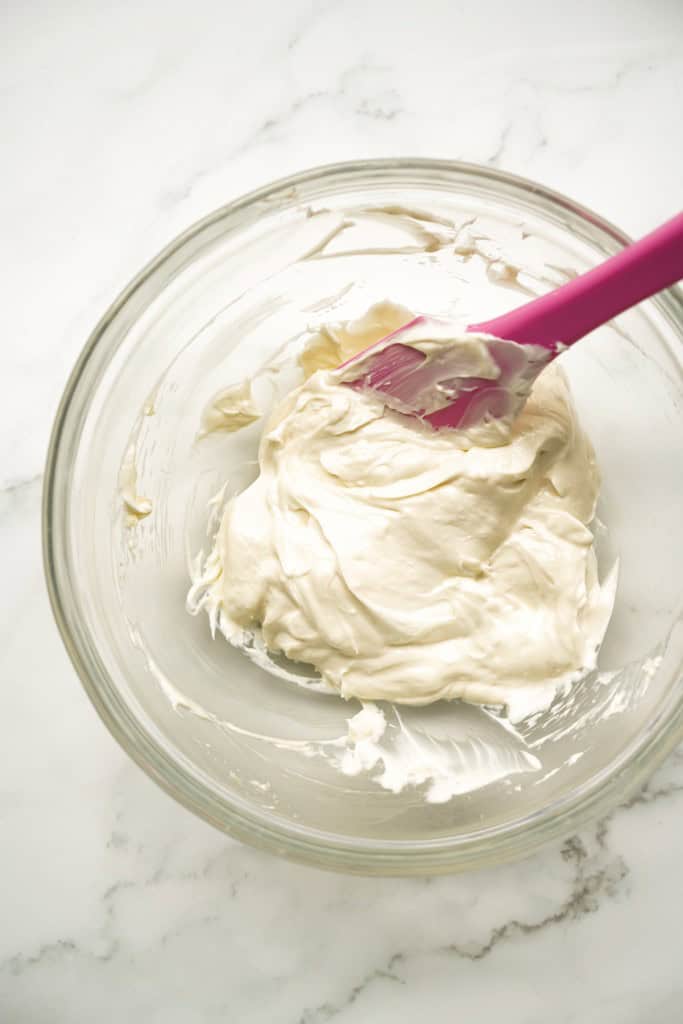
(496, 844)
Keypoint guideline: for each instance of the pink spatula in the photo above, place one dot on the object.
(440, 391)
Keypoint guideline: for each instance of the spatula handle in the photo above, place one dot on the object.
(570, 312)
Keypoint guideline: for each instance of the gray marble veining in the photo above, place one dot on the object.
(122, 126)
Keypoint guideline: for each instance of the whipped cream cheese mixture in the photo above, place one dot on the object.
(408, 564)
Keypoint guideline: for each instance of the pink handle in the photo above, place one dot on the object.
(581, 305)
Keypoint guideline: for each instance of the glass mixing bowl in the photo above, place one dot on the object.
(192, 711)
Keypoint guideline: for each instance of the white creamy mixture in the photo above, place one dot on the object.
(408, 564)
(229, 410)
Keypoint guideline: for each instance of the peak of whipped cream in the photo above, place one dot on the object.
(413, 565)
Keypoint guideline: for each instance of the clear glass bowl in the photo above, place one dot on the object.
(190, 710)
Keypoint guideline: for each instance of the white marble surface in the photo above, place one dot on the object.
(122, 124)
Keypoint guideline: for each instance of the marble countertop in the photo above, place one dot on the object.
(123, 124)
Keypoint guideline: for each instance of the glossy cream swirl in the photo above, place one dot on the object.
(412, 565)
